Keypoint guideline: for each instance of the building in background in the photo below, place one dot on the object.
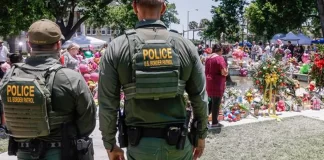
(104, 33)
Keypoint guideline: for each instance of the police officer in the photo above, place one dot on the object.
(153, 67)
(47, 107)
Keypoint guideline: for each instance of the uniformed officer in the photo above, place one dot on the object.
(46, 116)
(153, 67)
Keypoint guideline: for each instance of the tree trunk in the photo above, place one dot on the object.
(320, 7)
(12, 44)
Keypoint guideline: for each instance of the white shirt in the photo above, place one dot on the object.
(260, 51)
(3, 53)
(267, 49)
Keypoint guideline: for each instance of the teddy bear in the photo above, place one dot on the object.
(281, 106)
(311, 86)
(229, 116)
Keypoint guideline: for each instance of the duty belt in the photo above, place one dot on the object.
(170, 134)
(26, 145)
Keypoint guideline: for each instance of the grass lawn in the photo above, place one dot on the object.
(295, 138)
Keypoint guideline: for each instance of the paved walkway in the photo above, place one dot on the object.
(100, 152)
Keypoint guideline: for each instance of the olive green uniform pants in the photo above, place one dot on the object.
(51, 154)
(158, 149)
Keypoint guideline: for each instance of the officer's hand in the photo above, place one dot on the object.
(199, 150)
(116, 154)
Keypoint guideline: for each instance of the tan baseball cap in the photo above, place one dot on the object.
(44, 32)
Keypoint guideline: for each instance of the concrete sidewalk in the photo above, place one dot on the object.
(101, 154)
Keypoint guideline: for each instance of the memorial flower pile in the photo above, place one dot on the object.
(270, 77)
(317, 71)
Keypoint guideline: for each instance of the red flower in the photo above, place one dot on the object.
(319, 64)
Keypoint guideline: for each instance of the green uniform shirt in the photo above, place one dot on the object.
(116, 71)
(70, 96)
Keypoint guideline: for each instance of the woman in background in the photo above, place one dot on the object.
(216, 72)
(70, 57)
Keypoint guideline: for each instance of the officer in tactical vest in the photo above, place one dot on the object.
(153, 68)
(49, 110)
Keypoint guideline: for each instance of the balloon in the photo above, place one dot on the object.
(304, 69)
(88, 54)
(94, 77)
(94, 66)
(238, 54)
(97, 60)
(243, 72)
(86, 77)
(305, 57)
(83, 68)
(97, 55)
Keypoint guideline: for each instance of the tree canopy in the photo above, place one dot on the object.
(193, 25)
(268, 17)
(121, 16)
(226, 19)
(17, 16)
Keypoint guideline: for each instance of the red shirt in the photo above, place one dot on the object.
(214, 78)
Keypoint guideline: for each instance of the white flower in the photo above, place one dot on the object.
(264, 68)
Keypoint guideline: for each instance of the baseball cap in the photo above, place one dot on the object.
(44, 32)
(1, 41)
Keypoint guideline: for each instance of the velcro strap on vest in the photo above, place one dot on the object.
(130, 89)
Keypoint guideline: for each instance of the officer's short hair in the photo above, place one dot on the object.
(15, 58)
(150, 3)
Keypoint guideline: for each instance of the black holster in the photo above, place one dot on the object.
(12, 147)
(184, 132)
(66, 142)
(38, 149)
(193, 136)
(122, 130)
(135, 135)
(85, 149)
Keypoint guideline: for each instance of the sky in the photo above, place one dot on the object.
(183, 6)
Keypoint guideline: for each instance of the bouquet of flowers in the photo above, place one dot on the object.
(270, 77)
(293, 60)
(279, 54)
(249, 95)
(317, 72)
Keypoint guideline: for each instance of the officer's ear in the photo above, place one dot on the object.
(164, 8)
(59, 45)
(135, 7)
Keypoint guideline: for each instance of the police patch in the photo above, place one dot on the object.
(157, 55)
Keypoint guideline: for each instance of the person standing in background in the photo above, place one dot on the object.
(4, 52)
(254, 51)
(216, 72)
(259, 51)
(267, 50)
(70, 57)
